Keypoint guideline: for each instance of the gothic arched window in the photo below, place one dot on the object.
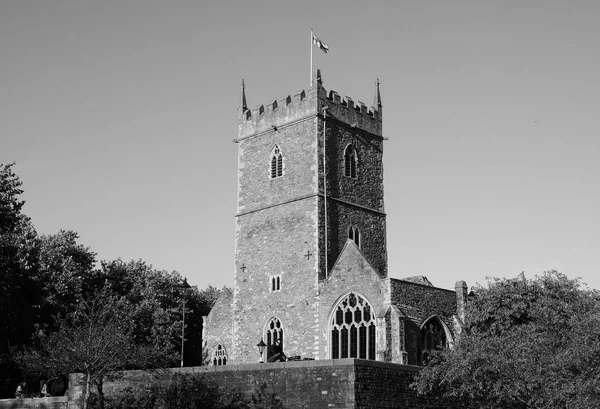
(350, 162)
(353, 329)
(276, 169)
(274, 333)
(433, 336)
(219, 356)
(354, 235)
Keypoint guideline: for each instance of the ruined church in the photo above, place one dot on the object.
(310, 262)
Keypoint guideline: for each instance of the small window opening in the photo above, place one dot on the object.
(354, 235)
(275, 283)
(220, 356)
(350, 162)
(276, 169)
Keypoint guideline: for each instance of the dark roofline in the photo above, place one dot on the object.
(422, 285)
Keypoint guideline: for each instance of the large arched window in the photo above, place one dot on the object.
(220, 356)
(276, 169)
(353, 329)
(274, 333)
(433, 336)
(354, 235)
(350, 162)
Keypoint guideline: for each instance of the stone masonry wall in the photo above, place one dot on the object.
(276, 225)
(218, 325)
(420, 302)
(274, 242)
(353, 201)
(351, 274)
(343, 383)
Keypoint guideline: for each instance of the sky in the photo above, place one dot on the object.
(120, 116)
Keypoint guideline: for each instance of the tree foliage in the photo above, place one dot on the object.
(527, 343)
(43, 277)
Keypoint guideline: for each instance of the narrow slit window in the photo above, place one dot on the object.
(275, 283)
(354, 235)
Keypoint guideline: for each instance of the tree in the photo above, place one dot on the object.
(526, 344)
(96, 339)
(20, 290)
(156, 297)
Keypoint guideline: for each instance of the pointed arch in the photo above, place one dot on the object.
(273, 332)
(219, 355)
(350, 162)
(354, 235)
(276, 163)
(352, 328)
(434, 335)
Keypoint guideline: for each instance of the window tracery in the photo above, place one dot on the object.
(276, 169)
(219, 356)
(353, 329)
(274, 333)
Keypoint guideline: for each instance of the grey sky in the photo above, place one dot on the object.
(120, 116)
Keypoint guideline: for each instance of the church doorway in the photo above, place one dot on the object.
(274, 332)
(352, 329)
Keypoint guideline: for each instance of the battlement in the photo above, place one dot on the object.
(306, 103)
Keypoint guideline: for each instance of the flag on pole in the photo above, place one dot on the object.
(320, 44)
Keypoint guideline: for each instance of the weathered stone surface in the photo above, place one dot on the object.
(295, 227)
(341, 383)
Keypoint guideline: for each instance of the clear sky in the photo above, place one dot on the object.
(121, 115)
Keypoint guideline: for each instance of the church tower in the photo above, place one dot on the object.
(310, 178)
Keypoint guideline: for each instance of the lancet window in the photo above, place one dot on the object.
(276, 169)
(354, 235)
(350, 162)
(353, 329)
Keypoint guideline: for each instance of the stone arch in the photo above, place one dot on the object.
(273, 332)
(434, 334)
(350, 161)
(352, 328)
(219, 355)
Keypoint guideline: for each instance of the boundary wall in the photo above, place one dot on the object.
(341, 383)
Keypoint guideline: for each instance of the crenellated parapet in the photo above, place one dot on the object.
(355, 114)
(294, 107)
(307, 103)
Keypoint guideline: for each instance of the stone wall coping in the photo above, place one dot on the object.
(334, 363)
(345, 362)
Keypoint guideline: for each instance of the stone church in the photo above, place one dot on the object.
(310, 244)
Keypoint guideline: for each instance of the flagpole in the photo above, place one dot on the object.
(311, 51)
